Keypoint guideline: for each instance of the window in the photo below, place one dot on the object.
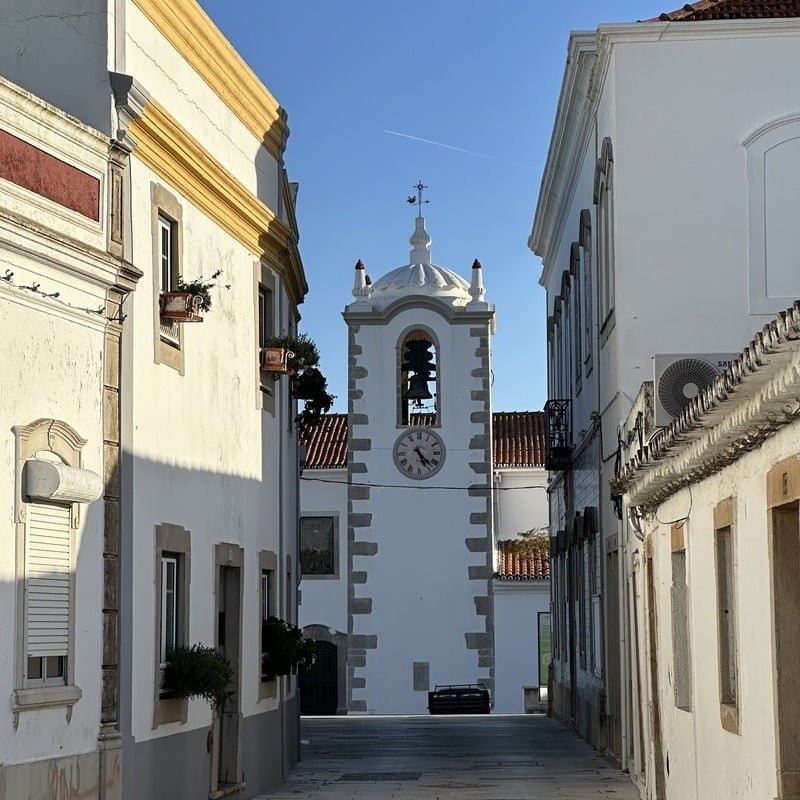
(318, 546)
(585, 270)
(166, 253)
(265, 315)
(169, 608)
(726, 615)
(604, 200)
(679, 595)
(171, 623)
(166, 231)
(267, 572)
(578, 326)
(265, 330)
(418, 379)
(48, 602)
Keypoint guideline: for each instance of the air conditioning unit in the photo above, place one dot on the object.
(679, 378)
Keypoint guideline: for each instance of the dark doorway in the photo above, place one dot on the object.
(319, 686)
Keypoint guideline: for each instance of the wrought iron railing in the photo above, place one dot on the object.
(558, 443)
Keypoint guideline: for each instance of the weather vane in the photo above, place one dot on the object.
(418, 201)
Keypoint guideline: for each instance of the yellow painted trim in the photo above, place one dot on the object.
(182, 162)
(192, 33)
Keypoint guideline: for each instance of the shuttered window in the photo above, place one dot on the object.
(47, 591)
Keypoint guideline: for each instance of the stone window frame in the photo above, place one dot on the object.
(604, 202)
(267, 562)
(685, 701)
(577, 324)
(405, 334)
(164, 203)
(264, 277)
(725, 526)
(174, 540)
(334, 515)
(57, 437)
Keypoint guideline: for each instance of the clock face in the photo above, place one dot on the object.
(419, 453)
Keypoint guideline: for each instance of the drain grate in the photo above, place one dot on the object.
(380, 776)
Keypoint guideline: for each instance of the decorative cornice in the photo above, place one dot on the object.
(364, 314)
(568, 140)
(171, 152)
(192, 33)
(130, 100)
(758, 394)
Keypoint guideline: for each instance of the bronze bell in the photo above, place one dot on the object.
(418, 388)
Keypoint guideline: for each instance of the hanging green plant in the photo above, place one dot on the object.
(308, 382)
(198, 671)
(199, 289)
(284, 648)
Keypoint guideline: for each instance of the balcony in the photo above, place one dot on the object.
(558, 443)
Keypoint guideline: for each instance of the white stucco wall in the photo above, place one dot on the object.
(517, 605)
(520, 501)
(323, 492)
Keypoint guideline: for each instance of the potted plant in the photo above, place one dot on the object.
(190, 300)
(284, 648)
(198, 671)
(297, 354)
(299, 358)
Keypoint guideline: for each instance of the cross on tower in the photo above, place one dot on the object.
(418, 201)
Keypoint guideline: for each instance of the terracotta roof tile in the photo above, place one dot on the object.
(514, 565)
(326, 446)
(518, 440)
(732, 9)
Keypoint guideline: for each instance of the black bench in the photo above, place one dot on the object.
(463, 698)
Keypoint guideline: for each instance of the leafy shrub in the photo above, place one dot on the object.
(284, 648)
(198, 671)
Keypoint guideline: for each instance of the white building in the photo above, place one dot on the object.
(196, 539)
(60, 295)
(399, 504)
(664, 226)
(714, 553)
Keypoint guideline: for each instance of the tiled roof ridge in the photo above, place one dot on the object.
(520, 566)
(777, 338)
(731, 9)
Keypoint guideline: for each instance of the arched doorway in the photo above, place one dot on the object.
(319, 686)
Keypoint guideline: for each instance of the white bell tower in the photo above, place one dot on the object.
(419, 524)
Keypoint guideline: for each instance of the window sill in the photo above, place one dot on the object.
(46, 697)
(729, 717)
(267, 690)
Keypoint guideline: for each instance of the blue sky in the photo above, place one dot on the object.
(476, 76)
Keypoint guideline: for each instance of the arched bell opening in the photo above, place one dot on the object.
(418, 380)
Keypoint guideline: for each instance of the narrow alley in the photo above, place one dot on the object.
(444, 758)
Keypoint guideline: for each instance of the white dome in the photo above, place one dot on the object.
(420, 277)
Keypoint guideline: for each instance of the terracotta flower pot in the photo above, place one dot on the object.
(180, 306)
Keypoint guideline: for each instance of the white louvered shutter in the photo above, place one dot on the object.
(47, 575)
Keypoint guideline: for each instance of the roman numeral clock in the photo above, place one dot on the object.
(419, 453)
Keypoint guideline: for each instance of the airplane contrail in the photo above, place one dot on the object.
(457, 149)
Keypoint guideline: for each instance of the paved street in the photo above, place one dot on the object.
(449, 758)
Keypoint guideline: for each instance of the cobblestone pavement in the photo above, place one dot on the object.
(448, 758)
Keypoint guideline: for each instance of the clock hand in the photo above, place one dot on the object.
(422, 458)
